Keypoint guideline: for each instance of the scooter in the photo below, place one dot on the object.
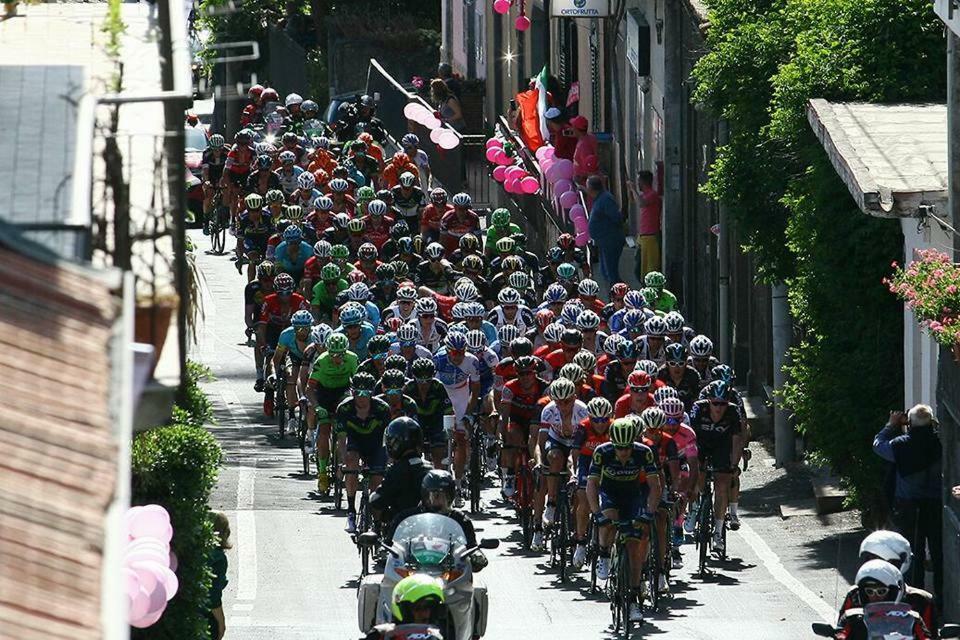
(881, 621)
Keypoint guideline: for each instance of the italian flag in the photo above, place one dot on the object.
(533, 109)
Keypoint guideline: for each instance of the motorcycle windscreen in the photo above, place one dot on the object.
(888, 619)
(429, 537)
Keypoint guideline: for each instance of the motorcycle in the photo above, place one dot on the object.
(881, 621)
(434, 544)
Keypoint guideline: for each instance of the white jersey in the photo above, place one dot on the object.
(557, 429)
(420, 351)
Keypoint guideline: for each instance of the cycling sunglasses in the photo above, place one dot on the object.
(599, 420)
(362, 393)
(393, 392)
(719, 403)
(639, 389)
(426, 315)
(675, 363)
(876, 592)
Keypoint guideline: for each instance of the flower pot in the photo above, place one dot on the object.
(150, 326)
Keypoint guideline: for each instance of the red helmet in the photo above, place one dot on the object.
(393, 323)
(192, 118)
(356, 276)
(544, 317)
(269, 95)
(254, 92)
(565, 241)
(618, 290)
(401, 158)
(638, 379)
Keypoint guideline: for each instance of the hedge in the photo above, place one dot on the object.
(176, 466)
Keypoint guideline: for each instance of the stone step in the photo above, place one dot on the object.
(829, 494)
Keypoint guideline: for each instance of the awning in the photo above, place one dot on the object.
(893, 158)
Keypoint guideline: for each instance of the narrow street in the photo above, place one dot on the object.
(293, 569)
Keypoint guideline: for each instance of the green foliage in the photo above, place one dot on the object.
(176, 466)
(114, 28)
(766, 59)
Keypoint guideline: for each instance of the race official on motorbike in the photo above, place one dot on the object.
(400, 489)
(417, 610)
(436, 496)
(877, 581)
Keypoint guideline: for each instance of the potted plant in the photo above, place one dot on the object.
(930, 287)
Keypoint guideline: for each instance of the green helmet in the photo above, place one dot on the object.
(340, 252)
(566, 271)
(655, 279)
(330, 272)
(650, 295)
(414, 589)
(622, 432)
(275, 196)
(500, 217)
(337, 343)
(356, 225)
(365, 194)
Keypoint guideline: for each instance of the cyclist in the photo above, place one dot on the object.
(292, 254)
(500, 227)
(459, 371)
(329, 380)
(717, 425)
(277, 309)
(253, 231)
(377, 350)
(306, 194)
(677, 427)
(411, 146)
(392, 384)
(236, 168)
(594, 431)
(617, 371)
(211, 171)
(293, 341)
(360, 421)
(623, 486)
(458, 222)
(652, 435)
(573, 254)
(701, 358)
(357, 330)
(409, 199)
(664, 301)
(511, 311)
(325, 292)
(432, 214)
(519, 409)
(638, 397)
(678, 374)
(432, 404)
(384, 290)
(253, 296)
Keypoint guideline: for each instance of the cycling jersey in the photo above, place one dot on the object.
(684, 437)
(524, 405)
(288, 340)
(213, 164)
(559, 430)
(239, 159)
(616, 475)
(253, 295)
(359, 346)
(248, 228)
(666, 302)
(377, 231)
(304, 198)
(715, 439)
(496, 233)
(430, 219)
(615, 321)
(488, 361)
(624, 405)
(420, 351)
(406, 407)
(432, 339)
(364, 435)
(688, 388)
(288, 179)
(331, 375)
(523, 319)
(614, 380)
(432, 403)
(255, 184)
(646, 351)
(293, 266)
(323, 298)
(437, 280)
(409, 203)
(454, 225)
(705, 376)
(277, 313)
(589, 439)
(457, 380)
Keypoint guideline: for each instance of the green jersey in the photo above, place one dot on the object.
(495, 233)
(666, 303)
(331, 375)
(323, 298)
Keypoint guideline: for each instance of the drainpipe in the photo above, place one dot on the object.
(784, 439)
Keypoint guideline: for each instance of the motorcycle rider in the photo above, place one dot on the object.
(400, 489)
(416, 608)
(877, 581)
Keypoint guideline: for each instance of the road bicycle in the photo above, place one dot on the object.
(524, 490)
(217, 222)
(364, 517)
(704, 528)
(618, 589)
(477, 452)
(559, 532)
(302, 435)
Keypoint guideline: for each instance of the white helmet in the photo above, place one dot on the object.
(889, 546)
(701, 346)
(884, 573)
(306, 181)
(462, 200)
(292, 99)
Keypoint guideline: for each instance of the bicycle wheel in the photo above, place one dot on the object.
(653, 568)
(280, 405)
(563, 532)
(704, 516)
(625, 594)
(476, 475)
(362, 526)
(592, 554)
(302, 438)
(612, 588)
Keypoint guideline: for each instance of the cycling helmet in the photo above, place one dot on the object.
(638, 380)
(292, 234)
(407, 179)
(521, 347)
(500, 218)
(526, 363)
(562, 389)
(322, 249)
(306, 181)
(655, 326)
(409, 140)
(289, 138)
(468, 242)
(378, 345)
(254, 92)
(423, 369)
(672, 407)
(462, 200)
(339, 252)
(674, 322)
(889, 546)
(264, 270)
(294, 213)
(571, 337)
(555, 255)
(663, 393)
(519, 280)
(253, 201)
(588, 288)
(652, 418)
(351, 316)
(675, 352)
(407, 333)
(292, 99)
(377, 208)
(320, 333)
(301, 319)
(356, 225)
(269, 95)
(473, 263)
(275, 196)
(473, 310)
(438, 196)
(466, 291)
(622, 432)
(476, 340)
(386, 195)
(520, 240)
(309, 108)
(650, 296)
(407, 293)
(569, 315)
(618, 290)
(402, 436)
(553, 332)
(716, 390)
(627, 350)
(243, 136)
(701, 347)
(321, 142)
(566, 271)
(544, 317)
(611, 343)
(401, 268)
(330, 272)
(633, 299)
(361, 383)
(555, 293)
(508, 333)
(588, 321)
(393, 378)
(339, 185)
(287, 157)
(599, 408)
(340, 220)
(385, 272)
(651, 367)
(217, 141)
(283, 283)
(586, 360)
(878, 579)
(654, 279)
(405, 245)
(338, 343)
(508, 296)
(565, 241)
(458, 312)
(367, 252)
(365, 194)
(722, 372)
(356, 276)
(434, 251)
(358, 292)
(426, 306)
(455, 341)
(572, 372)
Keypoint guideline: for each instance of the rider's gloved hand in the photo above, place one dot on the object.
(600, 519)
(271, 380)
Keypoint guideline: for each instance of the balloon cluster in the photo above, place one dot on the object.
(148, 564)
(513, 177)
(522, 23)
(558, 173)
(441, 136)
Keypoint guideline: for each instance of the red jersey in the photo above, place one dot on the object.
(368, 269)
(543, 350)
(239, 159)
(592, 439)
(557, 359)
(602, 361)
(454, 225)
(311, 270)
(445, 305)
(377, 233)
(666, 449)
(505, 371)
(623, 405)
(432, 214)
(275, 312)
(524, 405)
(348, 206)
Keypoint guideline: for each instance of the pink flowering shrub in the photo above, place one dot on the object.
(930, 286)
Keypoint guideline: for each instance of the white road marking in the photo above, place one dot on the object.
(771, 561)
(246, 536)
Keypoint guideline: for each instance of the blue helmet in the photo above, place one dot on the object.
(716, 390)
(351, 316)
(301, 318)
(627, 350)
(722, 372)
(633, 299)
(456, 340)
(555, 293)
(292, 234)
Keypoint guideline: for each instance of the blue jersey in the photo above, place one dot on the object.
(288, 339)
(488, 361)
(360, 347)
(282, 258)
(288, 181)
(616, 475)
(373, 313)
(456, 375)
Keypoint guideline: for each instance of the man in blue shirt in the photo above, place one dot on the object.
(916, 454)
(606, 229)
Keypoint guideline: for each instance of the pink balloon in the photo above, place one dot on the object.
(565, 169)
(545, 166)
(435, 136)
(541, 153)
(522, 23)
(553, 174)
(550, 153)
(503, 158)
(410, 110)
(139, 605)
(158, 599)
(449, 140)
(501, 6)
(148, 620)
(500, 173)
(577, 213)
(530, 185)
(562, 186)
(148, 542)
(568, 199)
(492, 154)
(514, 171)
(145, 555)
(494, 142)
(582, 238)
(153, 520)
(511, 185)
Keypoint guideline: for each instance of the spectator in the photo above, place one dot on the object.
(912, 445)
(447, 104)
(561, 135)
(218, 566)
(585, 160)
(606, 229)
(648, 232)
(445, 73)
